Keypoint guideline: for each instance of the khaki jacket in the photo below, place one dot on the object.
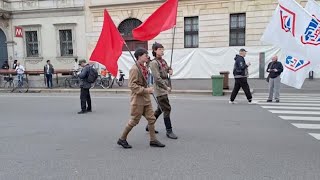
(160, 75)
(139, 96)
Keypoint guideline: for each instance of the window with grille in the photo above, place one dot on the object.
(191, 32)
(66, 47)
(237, 29)
(32, 45)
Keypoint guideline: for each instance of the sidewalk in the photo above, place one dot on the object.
(195, 86)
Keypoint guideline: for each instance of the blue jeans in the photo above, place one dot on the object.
(20, 77)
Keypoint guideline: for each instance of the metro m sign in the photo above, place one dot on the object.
(18, 31)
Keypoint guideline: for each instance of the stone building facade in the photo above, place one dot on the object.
(35, 31)
(200, 24)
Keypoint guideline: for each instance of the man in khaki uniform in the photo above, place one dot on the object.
(160, 71)
(140, 100)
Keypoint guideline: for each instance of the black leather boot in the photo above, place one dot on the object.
(156, 143)
(171, 135)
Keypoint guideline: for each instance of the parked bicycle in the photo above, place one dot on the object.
(20, 85)
(119, 81)
(73, 81)
(102, 81)
(8, 82)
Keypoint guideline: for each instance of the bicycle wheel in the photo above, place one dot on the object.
(105, 82)
(24, 88)
(74, 82)
(21, 87)
(8, 85)
(121, 82)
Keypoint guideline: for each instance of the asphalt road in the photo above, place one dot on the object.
(42, 137)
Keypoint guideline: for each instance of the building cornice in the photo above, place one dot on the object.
(53, 12)
(97, 6)
(48, 10)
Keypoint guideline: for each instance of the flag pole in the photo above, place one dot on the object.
(140, 72)
(174, 33)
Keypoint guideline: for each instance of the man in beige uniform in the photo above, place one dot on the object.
(140, 100)
(160, 71)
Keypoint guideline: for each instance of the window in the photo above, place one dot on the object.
(191, 32)
(66, 41)
(66, 48)
(237, 29)
(32, 45)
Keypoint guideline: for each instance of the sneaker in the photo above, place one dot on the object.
(171, 135)
(269, 100)
(124, 144)
(232, 102)
(89, 110)
(252, 102)
(277, 100)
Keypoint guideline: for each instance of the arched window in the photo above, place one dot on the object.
(125, 28)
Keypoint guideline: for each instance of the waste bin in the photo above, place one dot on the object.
(217, 85)
(311, 75)
(225, 79)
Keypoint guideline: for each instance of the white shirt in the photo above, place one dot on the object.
(48, 69)
(75, 66)
(20, 69)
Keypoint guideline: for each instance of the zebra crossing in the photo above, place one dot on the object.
(301, 110)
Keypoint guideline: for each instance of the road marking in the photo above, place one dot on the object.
(287, 104)
(315, 135)
(290, 107)
(293, 101)
(300, 118)
(295, 112)
(307, 126)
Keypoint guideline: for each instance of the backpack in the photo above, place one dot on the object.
(92, 75)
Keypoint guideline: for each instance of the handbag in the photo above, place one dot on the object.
(268, 78)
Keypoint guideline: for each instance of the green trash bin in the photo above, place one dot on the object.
(217, 85)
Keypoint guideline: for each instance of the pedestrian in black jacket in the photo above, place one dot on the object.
(85, 87)
(240, 72)
(48, 71)
(275, 69)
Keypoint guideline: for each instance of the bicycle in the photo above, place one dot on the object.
(21, 86)
(119, 81)
(8, 82)
(102, 81)
(73, 81)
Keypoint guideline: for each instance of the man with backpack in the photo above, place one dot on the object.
(88, 75)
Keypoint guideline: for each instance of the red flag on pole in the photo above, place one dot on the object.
(109, 46)
(164, 18)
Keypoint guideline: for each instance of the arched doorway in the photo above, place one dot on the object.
(3, 48)
(125, 28)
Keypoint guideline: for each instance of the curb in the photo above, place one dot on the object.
(120, 91)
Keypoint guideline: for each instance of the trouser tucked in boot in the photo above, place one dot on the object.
(166, 109)
(136, 113)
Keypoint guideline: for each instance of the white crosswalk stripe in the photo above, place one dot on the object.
(301, 110)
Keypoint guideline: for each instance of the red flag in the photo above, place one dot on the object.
(109, 46)
(164, 18)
